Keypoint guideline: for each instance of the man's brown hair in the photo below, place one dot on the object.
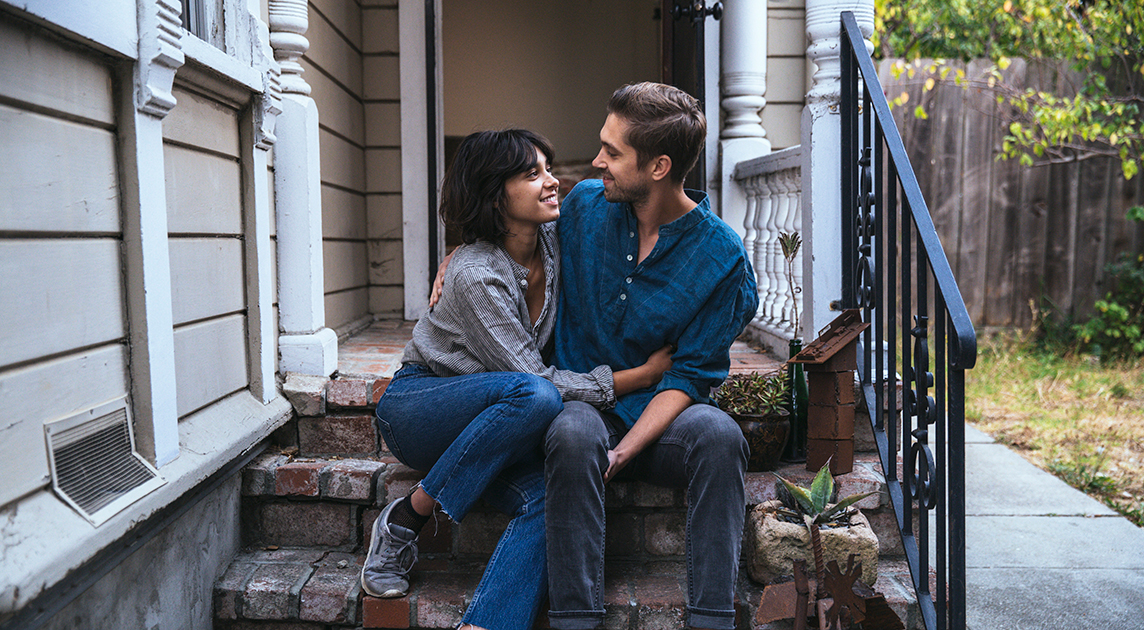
(663, 120)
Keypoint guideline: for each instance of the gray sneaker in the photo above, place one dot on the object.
(392, 553)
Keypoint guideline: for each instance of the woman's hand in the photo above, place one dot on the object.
(646, 375)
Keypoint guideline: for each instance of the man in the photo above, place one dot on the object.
(645, 264)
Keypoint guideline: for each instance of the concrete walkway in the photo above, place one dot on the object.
(1042, 555)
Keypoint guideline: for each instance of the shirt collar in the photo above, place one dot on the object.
(685, 222)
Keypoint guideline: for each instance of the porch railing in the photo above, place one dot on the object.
(773, 187)
(895, 270)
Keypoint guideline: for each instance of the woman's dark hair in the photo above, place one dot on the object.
(472, 194)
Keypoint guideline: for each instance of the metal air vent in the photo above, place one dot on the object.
(95, 468)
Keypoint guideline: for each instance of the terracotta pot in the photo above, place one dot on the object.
(766, 436)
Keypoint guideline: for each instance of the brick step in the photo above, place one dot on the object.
(290, 501)
(312, 590)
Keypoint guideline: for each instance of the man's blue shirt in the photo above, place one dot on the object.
(696, 289)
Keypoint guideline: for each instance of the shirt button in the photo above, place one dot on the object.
(623, 297)
(524, 283)
(628, 280)
(632, 234)
(629, 257)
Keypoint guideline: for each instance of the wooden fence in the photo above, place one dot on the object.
(1013, 234)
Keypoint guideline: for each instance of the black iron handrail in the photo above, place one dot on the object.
(891, 256)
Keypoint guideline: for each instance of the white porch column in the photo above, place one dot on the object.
(821, 168)
(743, 34)
(305, 345)
(148, 258)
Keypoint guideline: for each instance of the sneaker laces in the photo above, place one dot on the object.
(397, 555)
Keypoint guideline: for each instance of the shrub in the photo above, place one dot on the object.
(1116, 329)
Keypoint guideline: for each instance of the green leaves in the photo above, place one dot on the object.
(1099, 39)
(813, 502)
(754, 393)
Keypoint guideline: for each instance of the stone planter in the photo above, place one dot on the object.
(772, 545)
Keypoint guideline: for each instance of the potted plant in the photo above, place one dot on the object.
(809, 524)
(795, 450)
(758, 403)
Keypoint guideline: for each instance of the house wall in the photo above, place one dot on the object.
(136, 259)
(203, 175)
(788, 72)
(64, 348)
(334, 70)
(382, 100)
(169, 581)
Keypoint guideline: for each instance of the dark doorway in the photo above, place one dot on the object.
(683, 62)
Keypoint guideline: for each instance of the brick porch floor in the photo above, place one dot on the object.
(376, 352)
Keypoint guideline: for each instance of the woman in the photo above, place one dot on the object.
(474, 398)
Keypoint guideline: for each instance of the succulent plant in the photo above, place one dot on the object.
(814, 505)
(753, 394)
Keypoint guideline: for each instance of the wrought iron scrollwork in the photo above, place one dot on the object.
(895, 269)
(864, 230)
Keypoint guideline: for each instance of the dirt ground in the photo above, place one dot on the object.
(1074, 417)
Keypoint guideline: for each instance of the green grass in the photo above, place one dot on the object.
(1072, 415)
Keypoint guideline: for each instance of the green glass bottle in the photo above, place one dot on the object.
(795, 451)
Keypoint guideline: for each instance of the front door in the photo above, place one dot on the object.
(683, 61)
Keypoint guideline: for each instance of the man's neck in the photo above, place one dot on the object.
(663, 205)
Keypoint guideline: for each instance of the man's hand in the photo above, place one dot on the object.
(657, 416)
(439, 281)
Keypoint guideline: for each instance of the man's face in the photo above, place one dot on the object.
(624, 180)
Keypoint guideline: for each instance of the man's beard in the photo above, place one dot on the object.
(626, 194)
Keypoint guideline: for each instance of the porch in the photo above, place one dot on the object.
(309, 503)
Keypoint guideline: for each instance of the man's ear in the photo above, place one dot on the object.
(660, 167)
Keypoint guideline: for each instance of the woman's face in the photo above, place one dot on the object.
(530, 197)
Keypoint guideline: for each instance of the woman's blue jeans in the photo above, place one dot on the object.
(478, 436)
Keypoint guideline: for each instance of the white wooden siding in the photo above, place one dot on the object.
(342, 162)
(339, 111)
(345, 16)
(345, 265)
(210, 361)
(206, 278)
(59, 295)
(343, 214)
(383, 125)
(384, 170)
(337, 57)
(57, 176)
(201, 152)
(62, 310)
(346, 307)
(380, 29)
(202, 122)
(203, 192)
(41, 72)
(45, 391)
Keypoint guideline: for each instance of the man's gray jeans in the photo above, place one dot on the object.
(702, 451)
